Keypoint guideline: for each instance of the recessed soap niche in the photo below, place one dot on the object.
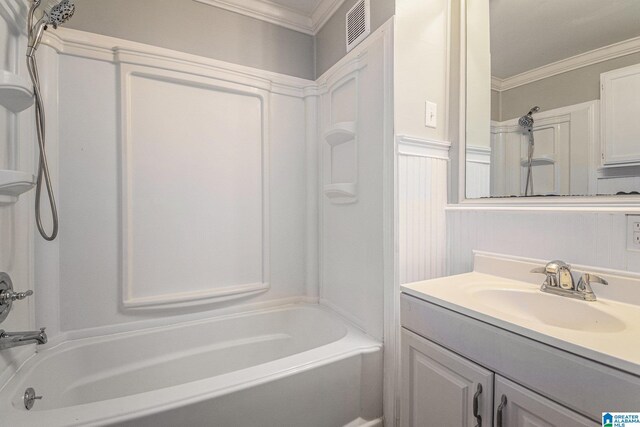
(341, 139)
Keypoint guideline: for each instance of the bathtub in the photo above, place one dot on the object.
(298, 365)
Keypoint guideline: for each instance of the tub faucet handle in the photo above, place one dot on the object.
(10, 296)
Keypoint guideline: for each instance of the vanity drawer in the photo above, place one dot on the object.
(582, 385)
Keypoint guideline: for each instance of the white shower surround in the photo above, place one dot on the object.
(98, 138)
(94, 141)
(296, 365)
(77, 278)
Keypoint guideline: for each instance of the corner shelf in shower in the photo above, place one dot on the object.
(337, 134)
(341, 193)
(542, 160)
(340, 133)
(16, 93)
(13, 184)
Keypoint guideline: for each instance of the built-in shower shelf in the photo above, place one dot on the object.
(539, 161)
(13, 184)
(16, 93)
(341, 193)
(340, 133)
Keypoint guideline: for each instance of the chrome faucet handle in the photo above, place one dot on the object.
(558, 275)
(584, 285)
(592, 278)
(7, 296)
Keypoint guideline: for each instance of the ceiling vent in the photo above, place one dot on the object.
(358, 23)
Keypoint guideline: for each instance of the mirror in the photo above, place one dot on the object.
(552, 98)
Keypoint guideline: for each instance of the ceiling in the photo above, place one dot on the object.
(527, 34)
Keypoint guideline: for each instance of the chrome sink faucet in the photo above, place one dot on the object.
(16, 339)
(560, 281)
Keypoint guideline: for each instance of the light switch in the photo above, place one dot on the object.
(431, 114)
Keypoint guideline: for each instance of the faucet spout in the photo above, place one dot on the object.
(17, 339)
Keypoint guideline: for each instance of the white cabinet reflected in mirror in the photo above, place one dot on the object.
(553, 98)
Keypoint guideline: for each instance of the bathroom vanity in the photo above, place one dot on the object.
(489, 348)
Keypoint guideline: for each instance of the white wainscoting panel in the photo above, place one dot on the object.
(579, 237)
(478, 172)
(195, 190)
(422, 197)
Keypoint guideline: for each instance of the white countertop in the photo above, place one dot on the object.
(606, 331)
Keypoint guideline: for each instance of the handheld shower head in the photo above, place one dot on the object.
(526, 121)
(61, 13)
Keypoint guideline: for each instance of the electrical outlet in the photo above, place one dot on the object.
(633, 232)
(431, 114)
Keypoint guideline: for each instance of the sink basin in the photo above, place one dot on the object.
(552, 310)
(606, 330)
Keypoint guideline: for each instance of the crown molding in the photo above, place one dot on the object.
(595, 56)
(67, 41)
(268, 11)
(323, 11)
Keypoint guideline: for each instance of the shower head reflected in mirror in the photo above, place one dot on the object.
(526, 121)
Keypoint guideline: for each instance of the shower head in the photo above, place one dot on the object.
(526, 121)
(61, 13)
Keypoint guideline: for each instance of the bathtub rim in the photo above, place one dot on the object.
(353, 343)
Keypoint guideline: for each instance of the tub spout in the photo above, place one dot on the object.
(16, 339)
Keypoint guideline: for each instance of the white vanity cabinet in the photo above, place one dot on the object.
(517, 406)
(620, 129)
(441, 388)
(445, 355)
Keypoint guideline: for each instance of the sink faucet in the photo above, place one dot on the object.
(16, 339)
(560, 281)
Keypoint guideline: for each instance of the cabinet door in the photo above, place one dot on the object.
(439, 387)
(619, 106)
(518, 406)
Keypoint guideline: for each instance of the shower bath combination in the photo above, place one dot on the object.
(59, 13)
(526, 122)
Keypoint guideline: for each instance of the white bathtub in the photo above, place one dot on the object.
(292, 366)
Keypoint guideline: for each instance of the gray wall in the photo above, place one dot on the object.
(330, 40)
(495, 106)
(196, 28)
(572, 87)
